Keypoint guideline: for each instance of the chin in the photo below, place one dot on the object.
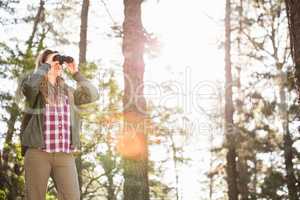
(58, 73)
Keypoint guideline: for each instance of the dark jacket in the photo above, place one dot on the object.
(32, 133)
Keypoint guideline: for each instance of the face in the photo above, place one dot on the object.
(56, 68)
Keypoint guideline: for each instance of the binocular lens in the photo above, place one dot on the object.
(61, 59)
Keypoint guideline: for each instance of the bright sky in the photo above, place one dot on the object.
(190, 31)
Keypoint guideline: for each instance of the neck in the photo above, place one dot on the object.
(52, 79)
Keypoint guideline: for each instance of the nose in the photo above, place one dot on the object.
(58, 66)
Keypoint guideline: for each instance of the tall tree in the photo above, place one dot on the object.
(83, 31)
(136, 186)
(38, 18)
(82, 61)
(229, 125)
(293, 13)
(242, 168)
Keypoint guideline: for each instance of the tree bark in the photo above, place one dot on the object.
(175, 161)
(287, 143)
(82, 60)
(242, 167)
(38, 18)
(293, 14)
(289, 167)
(229, 126)
(6, 169)
(83, 31)
(136, 186)
(111, 195)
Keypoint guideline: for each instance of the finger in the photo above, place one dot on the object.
(55, 63)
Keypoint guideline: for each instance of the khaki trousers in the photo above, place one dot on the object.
(40, 165)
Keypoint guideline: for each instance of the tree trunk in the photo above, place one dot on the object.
(174, 153)
(211, 160)
(83, 31)
(254, 186)
(229, 126)
(38, 18)
(293, 13)
(287, 142)
(110, 180)
(110, 189)
(136, 185)
(242, 167)
(82, 60)
(7, 154)
(289, 167)
(243, 178)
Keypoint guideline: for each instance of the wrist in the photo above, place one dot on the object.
(74, 72)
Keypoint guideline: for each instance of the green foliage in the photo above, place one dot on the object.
(2, 195)
(89, 70)
(50, 197)
(273, 186)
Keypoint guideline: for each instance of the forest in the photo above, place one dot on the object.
(198, 100)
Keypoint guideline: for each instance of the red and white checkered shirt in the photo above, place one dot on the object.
(57, 134)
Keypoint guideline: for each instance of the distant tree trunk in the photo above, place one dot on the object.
(243, 178)
(254, 185)
(110, 186)
(38, 18)
(82, 60)
(229, 126)
(6, 170)
(211, 160)
(175, 162)
(242, 167)
(83, 31)
(293, 13)
(136, 186)
(289, 166)
(287, 142)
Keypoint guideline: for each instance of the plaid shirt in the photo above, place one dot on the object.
(57, 134)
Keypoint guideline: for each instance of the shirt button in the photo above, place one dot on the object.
(59, 126)
(60, 137)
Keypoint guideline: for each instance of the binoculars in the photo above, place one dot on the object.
(62, 58)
